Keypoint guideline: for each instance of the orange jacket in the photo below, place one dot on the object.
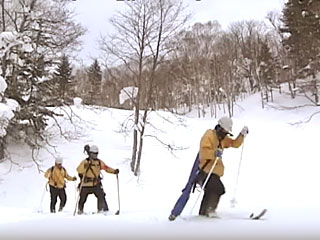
(57, 177)
(208, 146)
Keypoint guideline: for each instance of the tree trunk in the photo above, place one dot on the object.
(262, 100)
(144, 123)
(137, 169)
(2, 146)
(315, 89)
(134, 150)
(291, 90)
(135, 140)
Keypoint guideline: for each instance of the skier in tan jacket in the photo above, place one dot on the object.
(89, 172)
(212, 144)
(57, 175)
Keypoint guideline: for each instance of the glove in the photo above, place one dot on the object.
(244, 131)
(74, 178)
(219, 152)
(116, 171)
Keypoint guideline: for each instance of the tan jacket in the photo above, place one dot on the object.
(91, 170)
(208, 146)
(57, 177)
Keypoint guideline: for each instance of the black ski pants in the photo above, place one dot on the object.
(212, 193)
(54, 194)
(97, 191)
(105, 204)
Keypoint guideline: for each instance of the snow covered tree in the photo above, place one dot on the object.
(7, 106)
(265, 71)
(266, 64)
(192, 67)
(29, 68)
(301, 20)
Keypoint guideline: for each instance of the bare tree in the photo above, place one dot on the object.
(140, 45)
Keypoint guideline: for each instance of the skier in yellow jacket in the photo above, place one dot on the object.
(89, 171)
(212, 144)
(57, 183)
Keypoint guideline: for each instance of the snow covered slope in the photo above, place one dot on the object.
(279, 171)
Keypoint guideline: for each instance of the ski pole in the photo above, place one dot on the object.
(233, 200)
(204, 184)
(41, 201)
(81, 183)
(75, 190)
(80, 188)
(118, 212)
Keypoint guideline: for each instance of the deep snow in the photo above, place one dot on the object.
(279, 171)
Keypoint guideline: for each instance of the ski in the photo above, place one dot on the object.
(184, 197)
(228, 216)
(258, 216)
(106, 213)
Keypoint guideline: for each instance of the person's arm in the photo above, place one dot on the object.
(67, 176)
(48, 173)
(235, 143)
(108, 169)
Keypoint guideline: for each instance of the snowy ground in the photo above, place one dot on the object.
(279, 171)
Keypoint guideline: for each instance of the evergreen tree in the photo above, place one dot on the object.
(63, 76)
(95, 78)
(267, 68)
(301, 20)
(266, 71)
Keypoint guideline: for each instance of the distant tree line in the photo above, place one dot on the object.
(207, 66)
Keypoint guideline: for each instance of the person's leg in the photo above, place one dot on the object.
(63, 198)
(98, 192)
(83, 198)
(212, 193)
(105, 204)
(212, 206)
(53, 201)
(204, 203)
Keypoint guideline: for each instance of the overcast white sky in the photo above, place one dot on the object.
(94, 15)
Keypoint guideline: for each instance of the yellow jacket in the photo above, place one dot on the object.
(208, 146)
(91, 169)
(57, 177)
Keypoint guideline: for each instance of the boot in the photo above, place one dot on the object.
(212, 213)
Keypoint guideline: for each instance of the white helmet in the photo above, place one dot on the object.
(226, 123)
(58, 160)
(94, 149)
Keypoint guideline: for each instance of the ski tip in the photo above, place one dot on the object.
(257, 217)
